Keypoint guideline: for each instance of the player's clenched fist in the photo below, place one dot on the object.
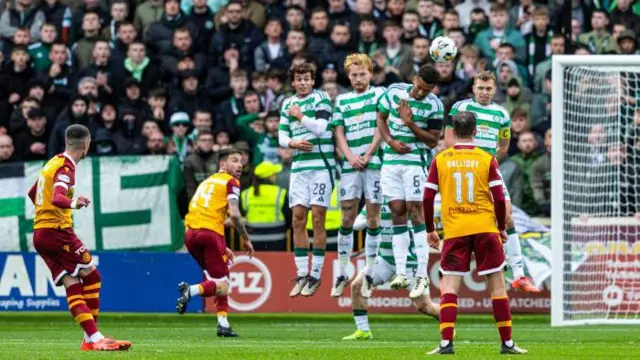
(434, 240)
(80, 202)
(294, 111)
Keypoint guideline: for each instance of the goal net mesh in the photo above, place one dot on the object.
(601, 193)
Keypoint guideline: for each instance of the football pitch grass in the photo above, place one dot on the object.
(306, 337)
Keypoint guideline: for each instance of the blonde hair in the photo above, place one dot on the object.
(360, 60)
(484, 76)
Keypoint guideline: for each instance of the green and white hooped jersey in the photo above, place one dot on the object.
(493, 123)
(427, 114)
(357, 113)
(385, 252)
(321, 157)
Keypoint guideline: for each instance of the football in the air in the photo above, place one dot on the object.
(443, 49)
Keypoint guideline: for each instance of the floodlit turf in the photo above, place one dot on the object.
(306, 337)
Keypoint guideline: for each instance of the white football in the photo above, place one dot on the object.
(443, 49)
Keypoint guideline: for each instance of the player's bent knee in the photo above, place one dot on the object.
(397, 219)
(347, 219)
(85, 272)
(299, 221)
(222, 288)
(69, 280)
(373, 222)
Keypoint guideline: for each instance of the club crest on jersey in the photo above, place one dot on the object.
(368, 101)
(309, 107)
(496, 118)
(421, 112)
(86, 257)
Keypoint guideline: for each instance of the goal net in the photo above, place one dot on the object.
(595, 190)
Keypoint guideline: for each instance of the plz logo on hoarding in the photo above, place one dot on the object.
(250, 282)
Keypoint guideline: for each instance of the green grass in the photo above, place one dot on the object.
(306, 337)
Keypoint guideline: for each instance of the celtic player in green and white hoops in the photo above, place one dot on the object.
(383, 271)
(493, 135)
(410, 122)
(305, 127)
(354, 121)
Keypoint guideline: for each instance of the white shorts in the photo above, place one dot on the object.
(353, 184)
(311, 187)
(403, 182)
(383, 272)
(505, 191)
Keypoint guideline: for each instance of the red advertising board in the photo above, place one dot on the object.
(262, 285)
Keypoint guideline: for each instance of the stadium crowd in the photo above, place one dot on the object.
(191, 77)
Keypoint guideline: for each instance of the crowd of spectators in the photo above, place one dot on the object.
(190, 77)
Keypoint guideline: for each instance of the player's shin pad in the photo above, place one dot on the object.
(345, 245)
(400, 243)
(371, 248)
(421, 249)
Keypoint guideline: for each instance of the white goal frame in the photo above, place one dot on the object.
(559, 63)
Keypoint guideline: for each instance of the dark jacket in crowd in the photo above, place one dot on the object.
(541, 183)
(63, 86)
(245, 38)
(67, 118)
(197, 167)
(23, 142)
(217, 85)
(159, 36)
(204, 23)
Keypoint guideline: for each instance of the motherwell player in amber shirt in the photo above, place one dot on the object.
(215, 198)
(66, 256)
(473, 217)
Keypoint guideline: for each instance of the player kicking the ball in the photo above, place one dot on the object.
(66, 256)
(354, 121)
(468, 180)
(383, 271)
(305, 127)
(215, 197)
(410, 121)
(493, 136)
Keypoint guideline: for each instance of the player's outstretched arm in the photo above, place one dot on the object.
(497, 192)
(429, 196)
(236, 219)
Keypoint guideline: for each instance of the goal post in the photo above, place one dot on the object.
(595, 190)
